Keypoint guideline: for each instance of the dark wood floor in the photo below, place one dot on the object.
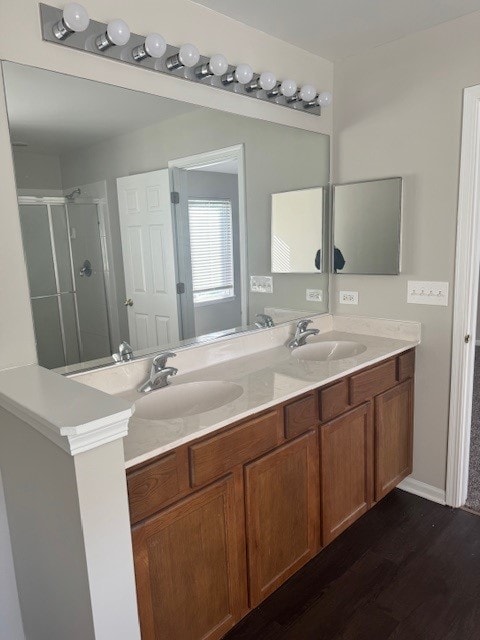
(408, 570)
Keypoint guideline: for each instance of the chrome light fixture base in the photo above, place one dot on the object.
(60, 30)
(54, 30)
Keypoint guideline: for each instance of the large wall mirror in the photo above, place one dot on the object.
(148, 220)
(366, 227)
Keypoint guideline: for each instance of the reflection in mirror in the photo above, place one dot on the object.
(144, 218)
(297, 231)
(366, 227)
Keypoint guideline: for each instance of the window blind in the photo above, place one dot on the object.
(211, 248)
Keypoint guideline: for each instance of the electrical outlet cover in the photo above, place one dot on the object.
(314, 295)
(261, 284)
(434, 293)
(348, 297)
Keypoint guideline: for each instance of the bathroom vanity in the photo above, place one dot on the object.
(238, 479)
(221, 521)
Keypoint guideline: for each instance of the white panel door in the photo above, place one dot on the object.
(148, 258)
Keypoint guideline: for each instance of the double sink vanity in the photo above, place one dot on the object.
(242, 470)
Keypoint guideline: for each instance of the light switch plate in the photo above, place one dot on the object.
(314, 295)
(261, 284)
(435, 293)
(348, 297)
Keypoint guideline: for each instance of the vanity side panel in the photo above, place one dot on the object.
(406, 365)
(47, 542)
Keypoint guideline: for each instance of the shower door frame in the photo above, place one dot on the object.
(50, 201)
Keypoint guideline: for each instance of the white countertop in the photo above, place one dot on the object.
(76, 418)
(267, 378)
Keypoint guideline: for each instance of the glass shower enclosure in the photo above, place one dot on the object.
(65, 265)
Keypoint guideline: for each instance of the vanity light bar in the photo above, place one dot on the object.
(72, 27)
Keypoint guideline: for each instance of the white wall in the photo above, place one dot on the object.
(37, 174)
(398, 113)
(180, 21)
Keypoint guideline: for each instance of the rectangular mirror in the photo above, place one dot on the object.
(147, 219)
(297, 231)
(366, 227)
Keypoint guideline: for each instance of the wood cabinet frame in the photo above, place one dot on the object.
(376, 403)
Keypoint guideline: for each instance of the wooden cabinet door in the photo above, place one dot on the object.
(346, 470)
(283, 514)
(393, 437)
(190, 566)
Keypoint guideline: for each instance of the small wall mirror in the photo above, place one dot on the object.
(366, 227)
(297, 231)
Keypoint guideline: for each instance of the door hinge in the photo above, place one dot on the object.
(180, 287)
(174, 197)
(467, 338)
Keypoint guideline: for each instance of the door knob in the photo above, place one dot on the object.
(128, 303)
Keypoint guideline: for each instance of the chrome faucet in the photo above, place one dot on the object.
(301, 334)
(159, 373)
(264, 321)
(125, 353)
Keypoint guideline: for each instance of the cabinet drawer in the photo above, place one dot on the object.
(406, 365)
(367, 384)
(156, 485)
(300, 416)
(217, 455)
(334, 400)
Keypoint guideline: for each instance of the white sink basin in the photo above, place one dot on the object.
(325, 351)
(186, 399)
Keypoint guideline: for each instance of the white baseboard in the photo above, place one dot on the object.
(410, 485)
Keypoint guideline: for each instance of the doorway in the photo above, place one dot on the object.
(65, 266)
(210, 229)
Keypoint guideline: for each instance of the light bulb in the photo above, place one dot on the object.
(75, 17)
(308, 93)
(325, 99)
(118, 32)
(218, 64)
(74, 20)
(188, 55)
(267, 80)
(243, 73)
(288, 88)
(155, 45)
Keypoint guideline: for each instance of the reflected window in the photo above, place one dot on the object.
(211, 248)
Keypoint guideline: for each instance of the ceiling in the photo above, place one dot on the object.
(55, 113)
(336, 29)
